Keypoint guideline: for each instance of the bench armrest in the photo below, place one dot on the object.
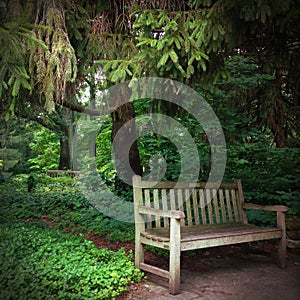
(278, 208)
(176, 214)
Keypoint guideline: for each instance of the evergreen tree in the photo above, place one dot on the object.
(48, 62)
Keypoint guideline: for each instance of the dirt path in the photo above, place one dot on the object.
(230, 275)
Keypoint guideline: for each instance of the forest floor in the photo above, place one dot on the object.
(239, 272)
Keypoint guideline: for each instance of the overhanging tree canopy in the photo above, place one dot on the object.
(49, 61)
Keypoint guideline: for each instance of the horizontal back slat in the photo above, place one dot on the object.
(185, 185)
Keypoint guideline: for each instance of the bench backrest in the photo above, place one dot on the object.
(202, 203)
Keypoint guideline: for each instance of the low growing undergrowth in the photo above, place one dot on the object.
(39, 263)
(65, 209)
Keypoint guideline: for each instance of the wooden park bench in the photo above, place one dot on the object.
(60, 173)
(186, 216)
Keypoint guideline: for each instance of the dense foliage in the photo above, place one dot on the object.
(61, 47)
(42, 262)
(45, 149)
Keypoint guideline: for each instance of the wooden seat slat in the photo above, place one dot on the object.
(202, 232)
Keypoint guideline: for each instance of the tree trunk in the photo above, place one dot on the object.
(123, 117)
(92, 142)
(64, 154)
(68, 159)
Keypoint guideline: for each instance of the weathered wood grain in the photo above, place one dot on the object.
(191, 216)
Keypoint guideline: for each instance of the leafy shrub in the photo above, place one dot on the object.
(37, 263)
(269, 175)
(45, 148)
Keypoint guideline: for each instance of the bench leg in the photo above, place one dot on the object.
(282, 241)
(282, 252)
(174, 279)
(174, 268)
(139, 254)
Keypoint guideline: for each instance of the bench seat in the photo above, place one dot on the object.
(205, 236)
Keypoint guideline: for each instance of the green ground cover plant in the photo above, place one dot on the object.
(41, 262)
(44, 263)
(67, 208)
